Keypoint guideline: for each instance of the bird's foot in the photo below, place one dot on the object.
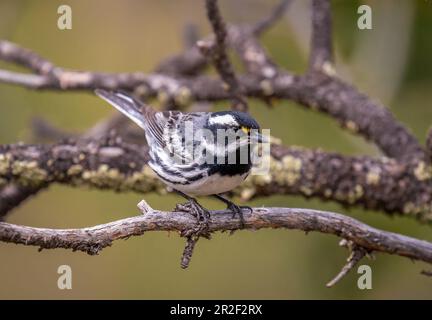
(235, 209)
(238, 210)
(201, 229)
(201, 214)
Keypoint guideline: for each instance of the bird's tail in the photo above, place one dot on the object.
(130, 107)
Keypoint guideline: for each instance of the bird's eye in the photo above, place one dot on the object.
(245, 130)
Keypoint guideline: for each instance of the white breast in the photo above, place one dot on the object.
(214, 184)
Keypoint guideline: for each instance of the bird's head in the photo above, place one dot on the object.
(236, 121)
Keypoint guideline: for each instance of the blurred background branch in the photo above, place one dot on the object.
(354, 110)
(321, 56)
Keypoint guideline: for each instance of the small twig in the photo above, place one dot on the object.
(357, 253)
(11, 52)
(188, 251)
(12, 195)
(426, 273)
(26, 80)
(191, 62)
(190, 35)
(253, 56)
(429, 145)
(276, 14)
(220, 56)
(321, 55)
(103, 127)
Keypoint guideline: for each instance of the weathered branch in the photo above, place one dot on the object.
(93, 240)
(353, 110)
(374, 183)
(318, 91)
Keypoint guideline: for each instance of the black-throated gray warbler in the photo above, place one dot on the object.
(197, 153)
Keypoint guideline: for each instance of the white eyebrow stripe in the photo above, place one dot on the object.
(223, 120)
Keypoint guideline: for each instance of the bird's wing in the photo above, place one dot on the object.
(143, 115)
(179, 132)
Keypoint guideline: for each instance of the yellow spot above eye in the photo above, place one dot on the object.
(245, 129)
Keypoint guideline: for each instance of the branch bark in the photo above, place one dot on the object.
(93, 240)
(374, 183)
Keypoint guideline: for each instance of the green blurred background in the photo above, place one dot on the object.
(390, 62)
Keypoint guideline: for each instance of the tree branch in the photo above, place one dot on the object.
(220, 56)
(429, 145)
(12, 195)
(276, 14)
(374, 183)
(93, 240)
(354, 110)
(321, 56)
(357, 253)
(12, 53)
(318, 91)
(191, 62)
(252, 54)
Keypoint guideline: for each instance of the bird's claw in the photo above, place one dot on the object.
(238, 210)
(201, 214)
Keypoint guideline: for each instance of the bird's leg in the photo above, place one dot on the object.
(202, 215)
(235, 209)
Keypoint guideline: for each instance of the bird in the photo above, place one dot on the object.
(187, 152)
